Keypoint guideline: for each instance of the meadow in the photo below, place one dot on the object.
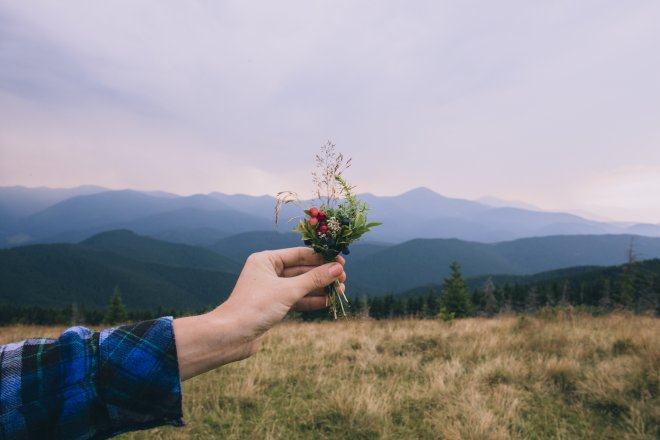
(552, 376)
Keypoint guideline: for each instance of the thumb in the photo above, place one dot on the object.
(319, 277)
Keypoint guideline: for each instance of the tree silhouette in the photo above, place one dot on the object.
(455, 299)
(116, 311)
(489, 300)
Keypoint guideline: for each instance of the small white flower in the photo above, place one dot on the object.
(334, 227)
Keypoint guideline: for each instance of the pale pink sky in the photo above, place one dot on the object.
(554, 103)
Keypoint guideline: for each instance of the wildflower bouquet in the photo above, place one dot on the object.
(338, 220)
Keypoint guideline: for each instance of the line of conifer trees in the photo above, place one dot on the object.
(634, 287)
(115, 313)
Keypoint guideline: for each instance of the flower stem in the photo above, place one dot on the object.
(337, 296)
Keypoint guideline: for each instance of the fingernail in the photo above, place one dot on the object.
(335, 270)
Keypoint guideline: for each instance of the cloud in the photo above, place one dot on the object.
(628, 193)
(510, 98)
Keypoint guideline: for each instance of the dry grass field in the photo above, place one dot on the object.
(562, 377)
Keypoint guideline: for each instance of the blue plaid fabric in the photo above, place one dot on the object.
(89, 384)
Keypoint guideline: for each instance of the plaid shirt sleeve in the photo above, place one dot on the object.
(89, 384)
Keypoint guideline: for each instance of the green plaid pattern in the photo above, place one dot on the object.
(89, 384)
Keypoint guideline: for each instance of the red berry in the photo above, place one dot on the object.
(323, 228)
(321, 215)
(313, 221)
(314, 212)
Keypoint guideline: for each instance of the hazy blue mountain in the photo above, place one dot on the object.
(264, 207)
(260, 206)
(79, 217)
(647, 229)
(192, 218)
(496, 202)
(526, 220)
(361, 250)
(422, 213)
(420, 262)
(150, 250)
(199, 236)
(424, 203)
(108, 208)
(61, 274)
(204, 219)
(19, 201)
(239, 247)
(547, 253)
(188, 226)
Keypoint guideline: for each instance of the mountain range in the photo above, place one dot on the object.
(44, 215)
(152, 273)
(75, 245)
(425, 261)
(148, 272)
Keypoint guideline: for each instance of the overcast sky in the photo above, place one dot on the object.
(556, 103)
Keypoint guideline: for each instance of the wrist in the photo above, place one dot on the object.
(208, 341)
(234, 340)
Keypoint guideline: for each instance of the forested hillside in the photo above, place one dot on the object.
(60, 274)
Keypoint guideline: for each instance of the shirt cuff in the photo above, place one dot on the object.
(138, 376)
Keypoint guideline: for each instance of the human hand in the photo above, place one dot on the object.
(273, 282)
(270, 284)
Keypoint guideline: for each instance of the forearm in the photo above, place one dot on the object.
(271, 284)
(208, 341)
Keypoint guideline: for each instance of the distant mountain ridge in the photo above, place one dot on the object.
(425, 261)
(149, 250)
(239, 247)
(19, 201)
(152, 273)
(575, 275)
(59, 275)
(42, 216)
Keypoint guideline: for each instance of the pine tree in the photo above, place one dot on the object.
(648, 298)
(432, 304)
(490, 302)
(626, 292)
(74, 315)
(455, 299)
(563, 300)
(116, 311)
(531, 300)
(360, 307)
(605, 300)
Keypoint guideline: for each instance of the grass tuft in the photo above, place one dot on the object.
(559, 375)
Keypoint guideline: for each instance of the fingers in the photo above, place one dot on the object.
(290, 272)
(304, 270)
(294, 271)
(318, 278)
(309, 303)
(324, 291)
(300, 256)
(314, 301)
